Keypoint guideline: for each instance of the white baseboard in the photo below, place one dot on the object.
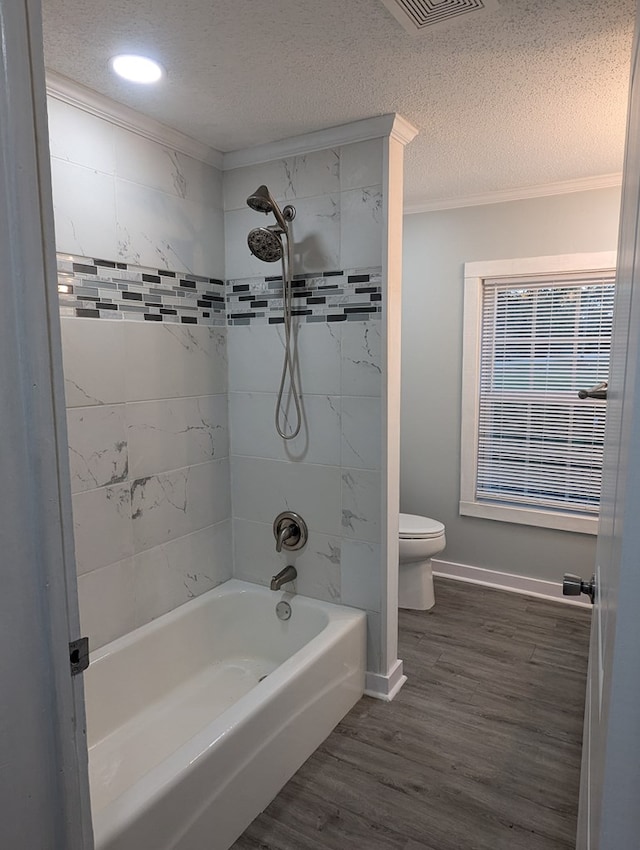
(379, 686)
(506, 581)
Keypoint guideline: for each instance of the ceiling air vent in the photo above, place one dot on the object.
(418, 15)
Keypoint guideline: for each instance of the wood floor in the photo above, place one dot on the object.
(479, 751)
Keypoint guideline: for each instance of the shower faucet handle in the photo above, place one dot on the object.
(290, 531)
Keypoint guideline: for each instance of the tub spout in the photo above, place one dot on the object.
(285, 575)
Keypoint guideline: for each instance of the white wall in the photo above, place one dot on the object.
(331, 474)
(436, 246)
(147, 401)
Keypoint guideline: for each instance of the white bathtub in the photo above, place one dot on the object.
(186, 744)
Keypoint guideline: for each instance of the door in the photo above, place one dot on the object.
(43, 754)
(609, 816)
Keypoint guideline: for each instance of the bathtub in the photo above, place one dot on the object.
(196, 720)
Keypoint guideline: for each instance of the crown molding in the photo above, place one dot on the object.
(380, 126)
(403, 130)
(82, 97)
(565, 187)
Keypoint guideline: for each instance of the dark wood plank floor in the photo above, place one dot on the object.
(479, 751)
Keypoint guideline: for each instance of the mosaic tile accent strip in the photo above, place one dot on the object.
(102, 289)
(353, 295)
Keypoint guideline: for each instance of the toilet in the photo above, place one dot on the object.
(420, 539)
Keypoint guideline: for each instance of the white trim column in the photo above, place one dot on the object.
(388, 682)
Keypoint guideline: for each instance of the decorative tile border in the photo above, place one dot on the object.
(102, 289)
(338, 296)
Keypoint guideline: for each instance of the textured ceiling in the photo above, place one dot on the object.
(533, 93)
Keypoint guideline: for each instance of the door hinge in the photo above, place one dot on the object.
(79, 655)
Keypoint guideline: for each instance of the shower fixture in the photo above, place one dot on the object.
(262, 201)
(266, 243)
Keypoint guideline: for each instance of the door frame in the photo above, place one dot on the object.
(44, 796)
(609, 816)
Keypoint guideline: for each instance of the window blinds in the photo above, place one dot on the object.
(542, 340)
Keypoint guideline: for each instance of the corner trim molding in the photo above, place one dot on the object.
(564, 187)
(68, 91)
(382, 687)
(504, 581)
(380, 126)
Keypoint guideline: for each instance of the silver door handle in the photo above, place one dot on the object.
(574, 586)
(599, 391)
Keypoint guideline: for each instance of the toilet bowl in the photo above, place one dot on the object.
(420, 539)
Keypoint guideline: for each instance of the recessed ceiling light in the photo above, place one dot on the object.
(137, 69)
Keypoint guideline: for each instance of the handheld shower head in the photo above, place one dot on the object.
(262, 201)
(265, 243)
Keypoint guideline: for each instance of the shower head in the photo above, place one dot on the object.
(262, 201)
(265, 243)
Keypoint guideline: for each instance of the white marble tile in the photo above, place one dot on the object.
(151, 164)
(361, 227)
(318, 564)
(316, 233)
(173, 573)
(256, 354)
(79, 137)
(319, 568)
(171, 504)
(84, 205)
(164, 231)
(174, 433)
(263, 488)
(361, 504)
(97, 446)
(362, 358)
(102, 527)
(106, 602)
(172, 361)
(361, 164)
(318, 349)
(361, 575)
(361, 432)
(316, 173)
(253, 432)
(94, 361)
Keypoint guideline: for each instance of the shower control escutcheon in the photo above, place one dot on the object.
(290, 531)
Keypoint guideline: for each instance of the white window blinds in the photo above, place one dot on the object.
(542, 340)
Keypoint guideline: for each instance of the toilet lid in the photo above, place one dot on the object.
(413, 526)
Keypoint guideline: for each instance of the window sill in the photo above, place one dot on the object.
(530, 516)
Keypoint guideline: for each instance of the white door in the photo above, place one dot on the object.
(609, 817)
(43, 754)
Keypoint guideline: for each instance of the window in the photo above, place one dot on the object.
(535, 332)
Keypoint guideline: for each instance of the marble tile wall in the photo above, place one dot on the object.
(337, 194)
(121, 196)
(332, 472)
(149, 456)
(147, 400)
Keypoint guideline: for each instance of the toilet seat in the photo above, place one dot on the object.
(414, 527)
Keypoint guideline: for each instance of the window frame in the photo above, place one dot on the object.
(475, 273)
